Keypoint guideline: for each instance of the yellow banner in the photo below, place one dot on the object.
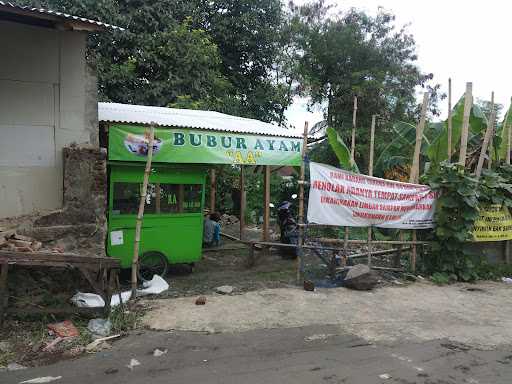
(494, 224)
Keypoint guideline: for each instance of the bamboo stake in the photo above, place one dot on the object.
(415, 170)
(449, 120)
(491, 138)
(509, 137)
(468, 102)
(140, 214)
(487, 137)
(370, 173)
(301, 201)
(242, 201)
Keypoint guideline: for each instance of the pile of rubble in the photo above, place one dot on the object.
(14, 242)
(226, 219)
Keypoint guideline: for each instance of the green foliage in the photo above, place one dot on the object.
(505, 126)
(341, 150)
(456, 211)
(438, 151)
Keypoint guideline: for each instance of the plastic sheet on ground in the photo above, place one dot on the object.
(91, 300)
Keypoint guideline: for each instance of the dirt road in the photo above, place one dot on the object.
(314, 354)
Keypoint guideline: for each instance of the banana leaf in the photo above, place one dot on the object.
(438, 150)
(341, 150)
(400, 151)
(502, 148)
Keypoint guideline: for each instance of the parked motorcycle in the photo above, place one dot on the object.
(288, 228)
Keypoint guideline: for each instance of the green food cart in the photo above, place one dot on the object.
(186, 144)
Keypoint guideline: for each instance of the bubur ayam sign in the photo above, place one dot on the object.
(130, 143)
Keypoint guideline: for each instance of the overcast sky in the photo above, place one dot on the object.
(466, 40)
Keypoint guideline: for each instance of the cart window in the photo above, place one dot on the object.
(192, 198)
(180, 198)
(126, 198)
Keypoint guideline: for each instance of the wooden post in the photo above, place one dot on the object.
(301, 201)
(415, 170)
(242, 201)
(468, 102)
(509, 136)
(488, 133)
(370, 173)
(213, 189)
(491, 138)
(449, 120)
(140, 214)
(266, 202)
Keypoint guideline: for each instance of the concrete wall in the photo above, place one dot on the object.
(47, 101)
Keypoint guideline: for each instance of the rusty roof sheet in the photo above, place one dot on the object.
(173, 117)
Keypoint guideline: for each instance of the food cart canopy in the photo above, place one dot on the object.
(194, 136)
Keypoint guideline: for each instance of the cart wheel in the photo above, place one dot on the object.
(152, 263)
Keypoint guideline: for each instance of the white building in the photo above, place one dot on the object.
(48, 100)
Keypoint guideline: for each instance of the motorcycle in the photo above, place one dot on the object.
(289, 230)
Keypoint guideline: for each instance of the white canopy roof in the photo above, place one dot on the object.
(172, 117)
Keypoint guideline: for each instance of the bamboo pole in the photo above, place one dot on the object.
(468, 102)
(487, 138)
(353, 142)
(352, 161)
(449, 120)
(491, 138)
(140, 214)
(509, 137)
(300, 255)
(415, 170)
(370, 173)
(242, 201)
(213, 189)
(266, 202)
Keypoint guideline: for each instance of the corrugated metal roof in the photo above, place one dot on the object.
(12, 8)
(188, 118)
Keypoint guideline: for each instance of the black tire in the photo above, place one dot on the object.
(152, 263)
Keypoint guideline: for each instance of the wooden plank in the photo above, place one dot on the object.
(468, 102)
(301, 199)
(57, 258)
(140, 213)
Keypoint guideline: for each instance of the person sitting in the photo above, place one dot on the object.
(211, 232)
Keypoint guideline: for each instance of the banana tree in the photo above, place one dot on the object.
(505, 126)
(341, 150)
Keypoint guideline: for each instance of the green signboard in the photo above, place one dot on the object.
(176, 145)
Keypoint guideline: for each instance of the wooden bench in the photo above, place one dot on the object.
(101, 272)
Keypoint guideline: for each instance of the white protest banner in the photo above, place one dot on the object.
(343, 198)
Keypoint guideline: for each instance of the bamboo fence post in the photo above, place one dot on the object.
(242, 201)
(352, 161)
(487, 138)
(300, 255)
(449, 120)
(468, 102)
(140, 214)
(266, 202)
(415, 170)
(491, 138)
(370, 173)
(213, 189)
